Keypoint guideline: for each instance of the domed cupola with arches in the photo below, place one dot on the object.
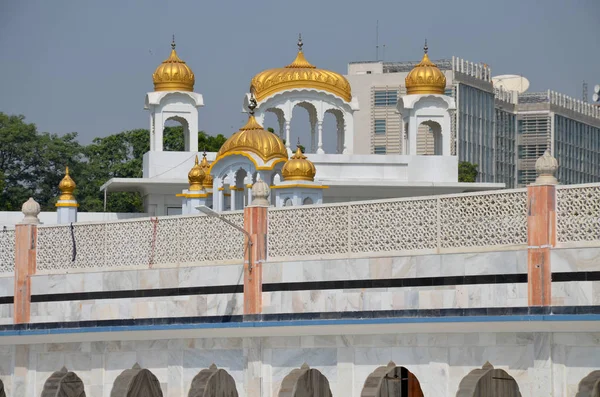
(319, 91)
(174, 99)
(426, 109)
(248, 154)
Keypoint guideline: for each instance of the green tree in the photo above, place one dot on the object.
(32, 163)
(467, 172)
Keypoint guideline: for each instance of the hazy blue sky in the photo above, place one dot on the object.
(85, 66)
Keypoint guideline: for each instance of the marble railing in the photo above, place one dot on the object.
(7, 251)
(449, 223)
(578, 213)
(139, 243)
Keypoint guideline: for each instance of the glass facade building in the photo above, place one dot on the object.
(577, 149)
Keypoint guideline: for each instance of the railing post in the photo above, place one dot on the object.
(25, 260)
(541, 231)
(255, 247)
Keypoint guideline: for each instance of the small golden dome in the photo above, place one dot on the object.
(67, 187)
(298, 168)
(252, 137)
(173, 74)
(299, 74)
(426, 77)
(208, 179)
(196, 177)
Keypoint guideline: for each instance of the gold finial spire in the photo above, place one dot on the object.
(196, 176)
(300, 44)
(67, 187)
(173, 45)
(251, 104)
(425, 48)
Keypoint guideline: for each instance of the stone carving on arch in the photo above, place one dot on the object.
(488, 382)
(590, 385)
(305, 382)
(62, 383)
(391, 380)
(213, 382)
(136, 382)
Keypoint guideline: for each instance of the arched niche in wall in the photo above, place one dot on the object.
(62, 383)
(590, 385)
(2, 392)
(488, 382)
(305, 382)
(136, 382)
(390, 381)
(213, 382)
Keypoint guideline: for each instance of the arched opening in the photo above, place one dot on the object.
(240, 187)
(391, 381)
(488, 382)
(429, 139)
(589, 386)
(307, 201)
(176, 134)
(288, 202)
(305, 382)
(61, 383)
(213, 382)
(136, 382)
(304, 127)
(274, 119)
(2, 392)
(333, 131)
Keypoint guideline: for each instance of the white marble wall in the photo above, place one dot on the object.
(452, 296)
(575, 293)
(543, 364)
(146, 307)
(7, 288)
(575, 259)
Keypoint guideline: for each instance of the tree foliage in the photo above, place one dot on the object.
(32, 164)
(467, 172)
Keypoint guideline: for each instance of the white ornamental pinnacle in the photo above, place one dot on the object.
(260, 193)
(546, 167)
(31, 209)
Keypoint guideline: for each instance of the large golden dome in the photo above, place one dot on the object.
(426, 77)
(298, 168)
(252, 137)
(299, 74)
(173, 74)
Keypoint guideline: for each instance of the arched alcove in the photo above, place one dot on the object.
(391, 381)
(304, 126)
(333, 131)
(305, 382)
(488, 382)
(176, 134)
(136, 382)
(307, 201)
(590, 385)
(213, 382)
(429, 139)
(62, 383)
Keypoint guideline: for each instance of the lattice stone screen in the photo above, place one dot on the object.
(433, 224)
(578, 213)
(140, 243)
(7, 251)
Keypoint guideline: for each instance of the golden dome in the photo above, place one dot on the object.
(67, 187)
(299, 74)
(426, 77)
(252, 137)
(298, 168)
(196, 177)
(173, 74)
(208, 179)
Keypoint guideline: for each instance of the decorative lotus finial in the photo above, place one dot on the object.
(260, 193)
(546, 167)
(31, 209)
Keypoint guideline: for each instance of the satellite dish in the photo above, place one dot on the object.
(597, 88)
(511, 82)
(596, 97)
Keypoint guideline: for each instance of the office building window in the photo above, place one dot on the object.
(379, 150)
(386, 98)
(380, 126)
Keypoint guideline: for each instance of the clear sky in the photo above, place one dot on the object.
(85, 66)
